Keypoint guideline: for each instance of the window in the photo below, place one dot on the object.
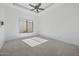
(26, 26)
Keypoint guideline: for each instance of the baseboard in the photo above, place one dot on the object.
(59, 40)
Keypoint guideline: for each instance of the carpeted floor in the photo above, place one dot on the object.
(50, 48)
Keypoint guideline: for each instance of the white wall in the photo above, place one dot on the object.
(61, 23)
(13, 16)
(2, 18)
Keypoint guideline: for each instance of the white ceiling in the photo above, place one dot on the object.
(26, 5)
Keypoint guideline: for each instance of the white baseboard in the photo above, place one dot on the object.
(73, 43)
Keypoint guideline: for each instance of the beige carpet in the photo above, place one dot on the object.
(50, 48)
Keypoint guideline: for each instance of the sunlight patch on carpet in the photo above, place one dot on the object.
(34, 41)
(40, 40)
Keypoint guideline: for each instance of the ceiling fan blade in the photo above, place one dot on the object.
(32, 5)
(41, 9)
(39, 4)
(32, 9)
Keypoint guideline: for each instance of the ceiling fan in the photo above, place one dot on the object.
(36, 7)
